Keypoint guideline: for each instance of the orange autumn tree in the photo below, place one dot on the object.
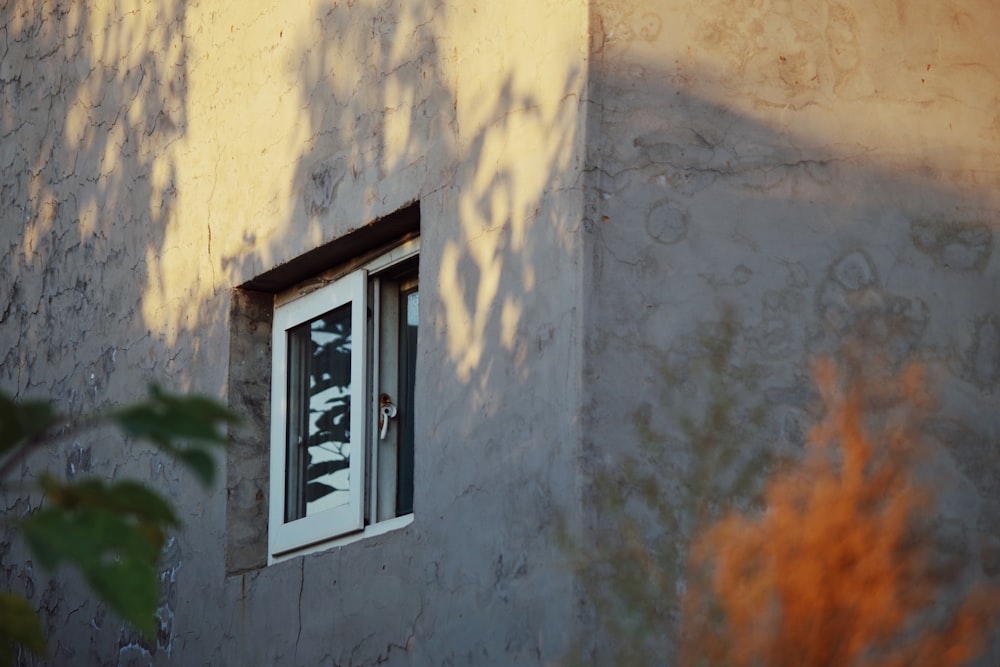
(838, 570)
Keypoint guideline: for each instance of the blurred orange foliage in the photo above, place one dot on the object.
(838, 569)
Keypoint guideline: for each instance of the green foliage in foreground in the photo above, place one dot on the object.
(113, 532)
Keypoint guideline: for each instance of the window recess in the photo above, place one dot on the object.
(343, 375)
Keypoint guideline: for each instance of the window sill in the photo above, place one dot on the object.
(373, 530)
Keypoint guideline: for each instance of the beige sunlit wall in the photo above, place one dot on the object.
(156, 157)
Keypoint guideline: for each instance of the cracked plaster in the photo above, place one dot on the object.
(597, 181)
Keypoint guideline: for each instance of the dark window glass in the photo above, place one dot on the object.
(409, 307)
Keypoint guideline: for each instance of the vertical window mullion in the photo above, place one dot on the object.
(372, 437)
(358, 289)
(385, 480)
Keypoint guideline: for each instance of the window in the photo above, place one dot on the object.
(342, 431)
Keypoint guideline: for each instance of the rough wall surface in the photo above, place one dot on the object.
(587, 209)
(156, 157)
(822, 171)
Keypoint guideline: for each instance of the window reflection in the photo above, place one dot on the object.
(319, 436)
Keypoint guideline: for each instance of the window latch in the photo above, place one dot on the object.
(386, 411)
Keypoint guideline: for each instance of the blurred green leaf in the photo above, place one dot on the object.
(19, 625)
(20, 421)
(113, 552)
(165, 418)
(199, 462)
(125, 498)
(113, 533)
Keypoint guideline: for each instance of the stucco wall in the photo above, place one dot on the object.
(597, 184)
(154, 158)
(822, 171)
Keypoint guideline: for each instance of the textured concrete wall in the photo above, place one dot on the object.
(827, 171)
(587, 209)
(155, 157)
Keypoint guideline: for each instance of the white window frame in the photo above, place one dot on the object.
(360, 286)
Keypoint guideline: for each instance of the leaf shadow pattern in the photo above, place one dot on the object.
(94, 109)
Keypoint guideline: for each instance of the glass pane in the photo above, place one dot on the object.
(319, 414)
(407, 378)
(412, 308)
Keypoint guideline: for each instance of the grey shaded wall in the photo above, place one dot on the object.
(821, 173)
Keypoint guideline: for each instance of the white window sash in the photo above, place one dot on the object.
(282, 536)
